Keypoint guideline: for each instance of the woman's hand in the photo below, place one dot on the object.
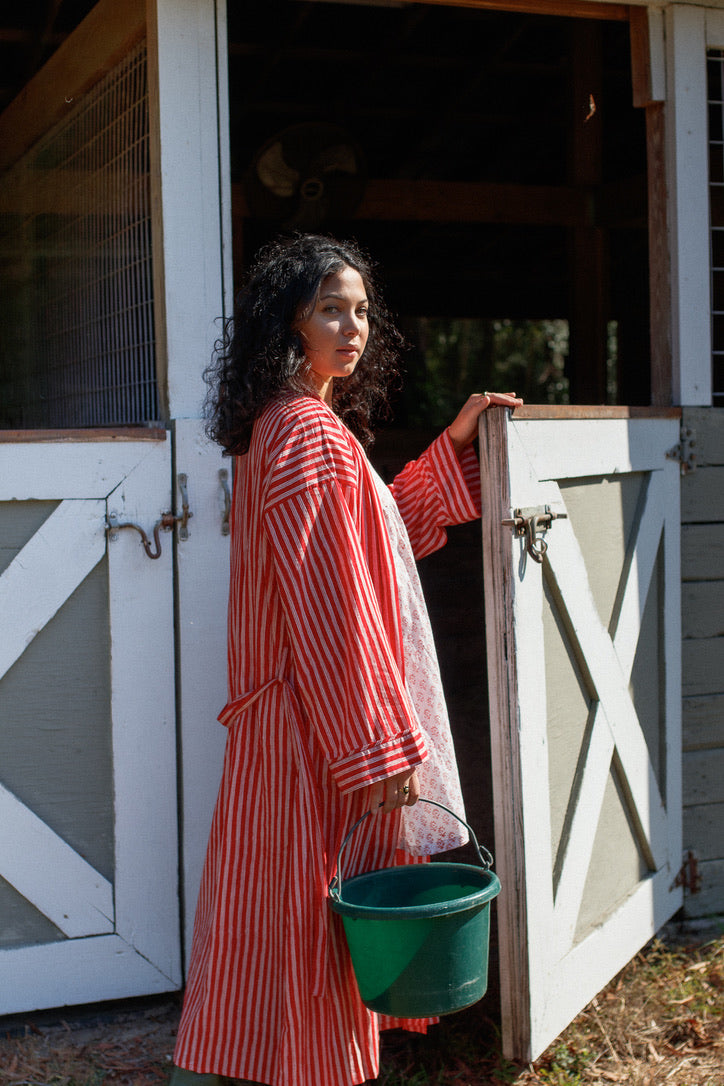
(464, 429)
(400, 791)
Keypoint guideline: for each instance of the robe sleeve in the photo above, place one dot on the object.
(436, 491)
(347, 677)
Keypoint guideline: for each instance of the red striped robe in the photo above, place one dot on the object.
(317, 710)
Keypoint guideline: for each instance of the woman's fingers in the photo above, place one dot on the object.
(403, 790)
(504, 399)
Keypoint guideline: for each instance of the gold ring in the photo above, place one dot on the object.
(405, 790)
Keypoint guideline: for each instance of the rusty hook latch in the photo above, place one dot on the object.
(531, 524)
(165, 523)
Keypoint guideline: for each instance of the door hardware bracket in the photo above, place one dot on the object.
(684, 452)
(165, 523)
(689, 875)
(532, 524)
(224, 480)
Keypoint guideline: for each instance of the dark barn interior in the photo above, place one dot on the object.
(494, 165)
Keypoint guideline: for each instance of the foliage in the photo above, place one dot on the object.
(454, 358)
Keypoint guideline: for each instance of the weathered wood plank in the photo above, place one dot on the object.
(703, 773)
(78, 900)
(703, 722)
(640, 56)
(688, 190)
(581, 838)
(119, 433)
(191, 229)
(593, 411)
(582, 447)
(702, 496)
(50, 566)
(76, 971)
(505, 734)
(702, 552)
(79, 470)
(578, 9)
(702, 666)
(702, 608)
(144, 724)
(659, 263)
(707, 424)
(704, 830)
(201, 596)
(568, 567)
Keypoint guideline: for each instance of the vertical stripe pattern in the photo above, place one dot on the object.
(317, 710)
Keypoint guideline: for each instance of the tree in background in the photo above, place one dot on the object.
(453, 357)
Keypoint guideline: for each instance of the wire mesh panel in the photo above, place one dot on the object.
(76, 302)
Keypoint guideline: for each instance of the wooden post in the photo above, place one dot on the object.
(187, 58)
(688, 204)
(504, 732)
(588, 244)
(193, 285)
(648, 87)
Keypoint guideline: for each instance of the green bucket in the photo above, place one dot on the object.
(418, 934)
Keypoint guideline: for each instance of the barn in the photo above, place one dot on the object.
(541, 183)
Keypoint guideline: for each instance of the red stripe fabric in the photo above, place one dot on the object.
(317, 710)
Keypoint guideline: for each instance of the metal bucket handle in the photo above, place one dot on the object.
(485, 857)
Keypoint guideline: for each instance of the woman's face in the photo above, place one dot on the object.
(335, 332)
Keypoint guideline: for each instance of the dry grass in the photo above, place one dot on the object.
(659, 1023)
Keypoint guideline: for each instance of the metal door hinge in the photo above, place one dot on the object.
(165, 523)
(531, 524)
(689, 875)
(685, 451)
(224, 480)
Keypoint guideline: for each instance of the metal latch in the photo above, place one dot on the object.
(531, 524)
(689, 876)
(164, 524)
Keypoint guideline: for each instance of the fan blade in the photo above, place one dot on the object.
(275, 173)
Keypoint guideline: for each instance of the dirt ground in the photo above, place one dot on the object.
(660, 1022)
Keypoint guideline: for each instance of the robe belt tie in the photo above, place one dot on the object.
(238, 705)
(314, 864)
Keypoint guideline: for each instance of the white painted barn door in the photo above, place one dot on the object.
(585, 702)
(86, 919)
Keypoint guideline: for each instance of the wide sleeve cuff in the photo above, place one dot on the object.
(383, 759)
(457, 476)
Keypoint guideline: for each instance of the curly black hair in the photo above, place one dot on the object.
(260, 353)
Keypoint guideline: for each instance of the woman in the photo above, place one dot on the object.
(335, 704)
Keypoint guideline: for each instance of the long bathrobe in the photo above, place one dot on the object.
(317, 711)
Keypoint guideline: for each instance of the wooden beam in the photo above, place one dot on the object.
(121, 433)
(462, 201)
(573, 9)
(502, 661)
(588, 243)
(594, 411)
(662, 391)
(640, 56)
(90, 52)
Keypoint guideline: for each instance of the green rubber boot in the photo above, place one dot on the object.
(181, 1077)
